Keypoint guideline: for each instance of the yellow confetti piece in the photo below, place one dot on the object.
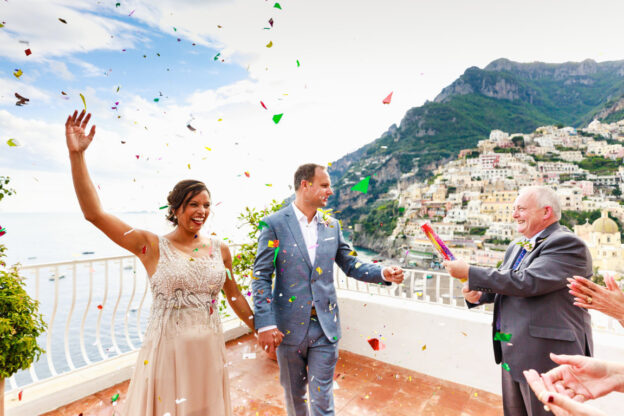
(409, 378)
(84, 101)
(220, 119)
(145, 362)
(357, 265)
(424, 347)
(319, 270)
(18, 73)
(329, 164)
(270, 44)
(366, 397)
(209, 149)
(189, 165)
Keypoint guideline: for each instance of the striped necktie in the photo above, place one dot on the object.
(519, 258)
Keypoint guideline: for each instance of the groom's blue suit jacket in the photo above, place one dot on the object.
(299, 284)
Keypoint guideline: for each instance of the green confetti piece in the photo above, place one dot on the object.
(506, 367)
(197, 249)
(164, 206)
(335, 338)
(156, 100)
(115, 398)
(362, 186)
(229, 275)
(1, 25)
(216, 57)
(277, 6)
(175, 30)
(262, 225)
(292, 299)
(298, 64)
(277, 118)
(501, 336)
(275, 257)
(117, 4)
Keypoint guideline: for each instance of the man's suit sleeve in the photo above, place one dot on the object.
(366, 272)
(562, 256)
(485, 298)
(261, 280)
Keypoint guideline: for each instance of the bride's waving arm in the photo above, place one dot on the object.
(140, 242)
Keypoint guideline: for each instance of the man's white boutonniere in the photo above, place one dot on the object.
(325, 215)
(527, 245)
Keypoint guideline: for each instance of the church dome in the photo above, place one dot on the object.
(604, 224)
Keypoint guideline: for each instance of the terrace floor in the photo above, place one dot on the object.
(365, 387)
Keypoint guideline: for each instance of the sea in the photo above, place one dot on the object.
(41, 238)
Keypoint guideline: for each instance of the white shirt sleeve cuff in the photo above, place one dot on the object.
(267, 328)
(382, 273)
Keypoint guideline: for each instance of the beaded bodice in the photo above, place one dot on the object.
(186, 288)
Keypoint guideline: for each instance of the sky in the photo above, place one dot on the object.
(148, 69)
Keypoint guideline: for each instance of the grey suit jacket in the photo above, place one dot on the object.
(299, 284)
(533, 303)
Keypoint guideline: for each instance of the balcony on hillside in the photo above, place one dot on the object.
(437, 359)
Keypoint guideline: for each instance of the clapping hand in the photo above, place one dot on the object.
(608, 300)
(75, 126)
(393, 274)
(559, 403)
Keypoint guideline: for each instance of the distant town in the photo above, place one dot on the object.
(469, 200)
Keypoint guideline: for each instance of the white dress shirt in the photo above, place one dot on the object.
(310, 236)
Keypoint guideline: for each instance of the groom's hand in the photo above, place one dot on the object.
(393, 274)
(269, 340)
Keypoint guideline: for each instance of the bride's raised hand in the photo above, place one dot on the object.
(75, 127)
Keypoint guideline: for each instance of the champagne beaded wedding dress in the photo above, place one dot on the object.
(180, 369)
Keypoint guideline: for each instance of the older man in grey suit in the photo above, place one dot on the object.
(533, 311)
(301, 245)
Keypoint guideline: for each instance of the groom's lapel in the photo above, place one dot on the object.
(295, 230)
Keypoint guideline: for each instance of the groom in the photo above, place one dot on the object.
(300, 245)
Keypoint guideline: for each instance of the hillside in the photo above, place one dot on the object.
(505, 95)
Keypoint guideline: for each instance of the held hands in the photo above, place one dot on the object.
(608, 300)
(75, 126)
(393, 274)
(457, 268)
(270, 340)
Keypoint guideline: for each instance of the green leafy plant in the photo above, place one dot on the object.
(20, 321)
(243, 258)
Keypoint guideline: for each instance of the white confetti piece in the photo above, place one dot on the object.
(128, 232)
(182, 400)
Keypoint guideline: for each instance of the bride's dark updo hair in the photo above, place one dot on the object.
(181, 194)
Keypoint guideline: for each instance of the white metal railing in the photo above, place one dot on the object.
(419, 285)
(81, 302)
(440, 288)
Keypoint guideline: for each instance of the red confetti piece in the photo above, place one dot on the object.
(387, 99)
(247, 174)
(19, 395)
(28, 52)
(376, 344)
(144, 249)
(263, 106)
(100, 307)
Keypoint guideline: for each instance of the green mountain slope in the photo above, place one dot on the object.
(510, 96)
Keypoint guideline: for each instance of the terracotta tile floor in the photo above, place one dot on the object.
(365, 387)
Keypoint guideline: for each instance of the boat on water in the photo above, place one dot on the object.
(53, 278)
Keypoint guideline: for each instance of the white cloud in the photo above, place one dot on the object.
(352, 54)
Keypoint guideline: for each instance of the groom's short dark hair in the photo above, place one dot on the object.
(305, 173)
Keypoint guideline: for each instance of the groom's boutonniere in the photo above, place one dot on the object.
(325, 215)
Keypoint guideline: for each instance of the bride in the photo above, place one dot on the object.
(180, 369)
